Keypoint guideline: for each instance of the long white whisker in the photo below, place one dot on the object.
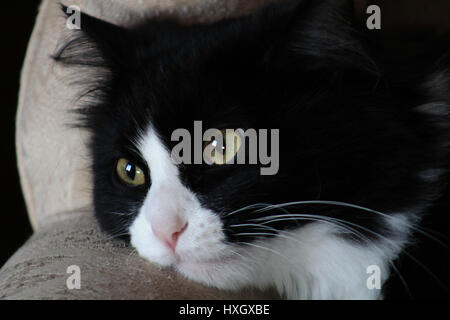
(331, 220)
(354, 206)
(255, 205)
(267, 234)
(251, 225)
(115, 236)
(120, 213)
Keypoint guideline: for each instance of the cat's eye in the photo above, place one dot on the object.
(222, 153)
(130, 173)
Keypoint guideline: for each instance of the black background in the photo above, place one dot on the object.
(17, 21)
(16, 25)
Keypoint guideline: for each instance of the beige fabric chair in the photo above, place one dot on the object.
(56, 181)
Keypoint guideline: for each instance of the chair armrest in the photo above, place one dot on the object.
(109, 269)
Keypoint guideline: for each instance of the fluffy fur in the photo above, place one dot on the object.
(364, 148)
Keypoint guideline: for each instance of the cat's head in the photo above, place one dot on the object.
(346, 138)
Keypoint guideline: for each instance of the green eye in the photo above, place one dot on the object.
(231, 144)
(130, 173)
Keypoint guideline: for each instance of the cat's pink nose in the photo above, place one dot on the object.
(169, 230)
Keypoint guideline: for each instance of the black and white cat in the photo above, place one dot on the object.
(362, 151)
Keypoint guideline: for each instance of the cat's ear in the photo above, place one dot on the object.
(94, 43)
(324, 34)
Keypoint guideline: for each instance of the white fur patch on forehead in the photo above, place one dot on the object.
(157, 156)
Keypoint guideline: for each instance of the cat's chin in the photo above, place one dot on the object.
(187, 265)
(214, 272)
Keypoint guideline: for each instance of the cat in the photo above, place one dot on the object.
(363, 147)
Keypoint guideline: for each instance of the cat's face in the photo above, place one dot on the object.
(341, 139)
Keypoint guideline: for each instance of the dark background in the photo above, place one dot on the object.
(16, 24)
(403, 21)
